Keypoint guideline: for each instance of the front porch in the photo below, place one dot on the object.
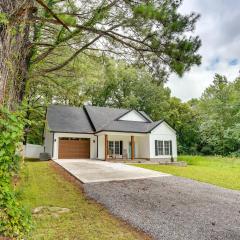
(122, 146)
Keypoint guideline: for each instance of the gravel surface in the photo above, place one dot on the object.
(172, 208)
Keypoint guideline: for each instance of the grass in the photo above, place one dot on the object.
(223, 172)
(43, 185)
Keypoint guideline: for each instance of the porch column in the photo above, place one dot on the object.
(132, 147)
(106, 146)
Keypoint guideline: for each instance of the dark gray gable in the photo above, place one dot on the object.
(102, 116)
(68, 119)
(130, 126)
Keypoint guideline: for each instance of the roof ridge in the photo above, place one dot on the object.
(116, 108)
(89, 118)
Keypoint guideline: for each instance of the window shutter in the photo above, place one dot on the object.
(156, 149)
(170, 142)
(121, 147)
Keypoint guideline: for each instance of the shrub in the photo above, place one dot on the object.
(14, 219)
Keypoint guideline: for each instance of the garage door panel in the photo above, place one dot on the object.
(70, 149)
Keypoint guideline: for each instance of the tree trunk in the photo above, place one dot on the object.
(14, 49)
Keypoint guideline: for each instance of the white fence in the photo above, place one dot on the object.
(33, 151)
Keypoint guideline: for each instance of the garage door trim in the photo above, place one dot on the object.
(73, 148)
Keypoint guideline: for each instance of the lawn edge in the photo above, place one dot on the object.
(201, 181)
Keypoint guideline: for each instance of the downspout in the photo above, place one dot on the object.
(43, 132)
(53, 145)
(97, 146)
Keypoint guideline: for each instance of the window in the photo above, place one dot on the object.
(111, 147)
(115, 147)
(163, 147)
(158, 148)
(166, 147)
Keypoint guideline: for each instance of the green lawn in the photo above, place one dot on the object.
(224, 172)
(42, 185)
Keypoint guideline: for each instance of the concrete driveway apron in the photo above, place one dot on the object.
(89, 171)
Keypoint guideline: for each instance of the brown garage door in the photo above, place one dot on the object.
(72, 148)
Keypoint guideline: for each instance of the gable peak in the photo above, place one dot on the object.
(134, 116)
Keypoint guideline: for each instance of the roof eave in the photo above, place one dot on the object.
(104, 130)
(160, 124)
(54, 131)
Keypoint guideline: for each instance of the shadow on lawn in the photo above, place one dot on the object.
(33, 160)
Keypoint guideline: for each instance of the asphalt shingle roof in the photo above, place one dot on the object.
(129, 126)
(92, 119)
(102, 116)
(68, 119)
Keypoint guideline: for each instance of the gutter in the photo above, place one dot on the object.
(71, 132)
(53, 144)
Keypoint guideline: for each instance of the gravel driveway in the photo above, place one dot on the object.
(172, 208)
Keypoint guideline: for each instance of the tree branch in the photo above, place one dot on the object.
(53, 14)
(73, 56)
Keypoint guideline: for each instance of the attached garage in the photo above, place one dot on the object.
(74, 148)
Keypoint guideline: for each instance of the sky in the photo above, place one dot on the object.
(219, 30)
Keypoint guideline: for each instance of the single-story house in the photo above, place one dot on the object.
(104, 133)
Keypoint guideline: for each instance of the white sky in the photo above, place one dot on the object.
(219, 30)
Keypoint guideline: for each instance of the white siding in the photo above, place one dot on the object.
(101, 147)
(93, 142)
(143, 146)
(165, 133)
(133, 116)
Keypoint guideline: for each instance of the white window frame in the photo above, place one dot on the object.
(167, 148)
(160, 148)
(163, 147)
(116, 146)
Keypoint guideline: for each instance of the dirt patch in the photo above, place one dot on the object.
(43, 211)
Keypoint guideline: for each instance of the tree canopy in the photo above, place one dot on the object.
(219, 116)
(150, 33)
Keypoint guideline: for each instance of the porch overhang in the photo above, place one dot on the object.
(112, 133)
(123, 145)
